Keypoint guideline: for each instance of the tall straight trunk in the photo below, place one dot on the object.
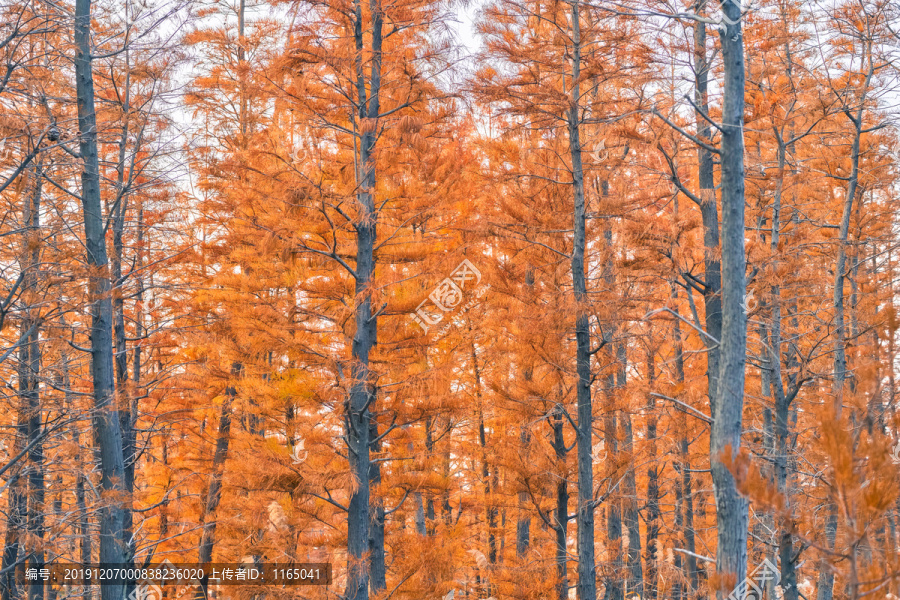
(83, 522)
(377, 567)
(523, 523)
(825, 588)
(630, 518)
(429, 448)
(108, 434)
(358, 409)
(127, 413)
(446, 508)
(709, 213)
(17, 510)
(490, 507)
(561, 519)
(29, 371)
(139, 331)
(678, 591)
(651, 578)
(614, 590)
(587, 569)
(214, 489)
(119, 336)
(684, 465)
(725, 437)
(630, 515)
(613, 580)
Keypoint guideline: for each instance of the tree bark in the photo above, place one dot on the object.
(725, 438)
(377, 567)
(361, 392)
(684, 466)
(651, 580)
(29, 371)
(561, 519)
(214, 489)
(709, 212)
(587, 577)
(113, 546)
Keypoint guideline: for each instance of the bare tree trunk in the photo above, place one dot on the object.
(651, 580)
(83, 523)
(358, 409)
(561, 521)
(635, 578)
(377, 567)
(725, 438)
(127, 413)
(113, 548)
(214, 489)
(29, 371)
(684, 465)
(523, 524)
(709, 213)
(587, 568)
(16, 511)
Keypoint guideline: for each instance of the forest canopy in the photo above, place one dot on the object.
(503, 300)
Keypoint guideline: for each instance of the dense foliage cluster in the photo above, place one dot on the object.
(593, 300)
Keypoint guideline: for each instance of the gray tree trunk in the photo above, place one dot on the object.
(113, 548)
(214, 489)
(587, 569)
(357, 418)
(709, 213)
(651, 578)
(684, 465)
(725, 438)
(29, 372)
(561, 521)
(523, 523)
(377, 567)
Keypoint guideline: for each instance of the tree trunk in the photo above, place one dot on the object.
(377, 568)
(651, 581)
(523, 524)
(684, 465)
(725, 438)
(214, 490)
(83, 523)
(709, 213)
(126, 413)
(16, 511)
(561, 521)
(29, 371)
(361, 391)
(108, 434)
(587, 569)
